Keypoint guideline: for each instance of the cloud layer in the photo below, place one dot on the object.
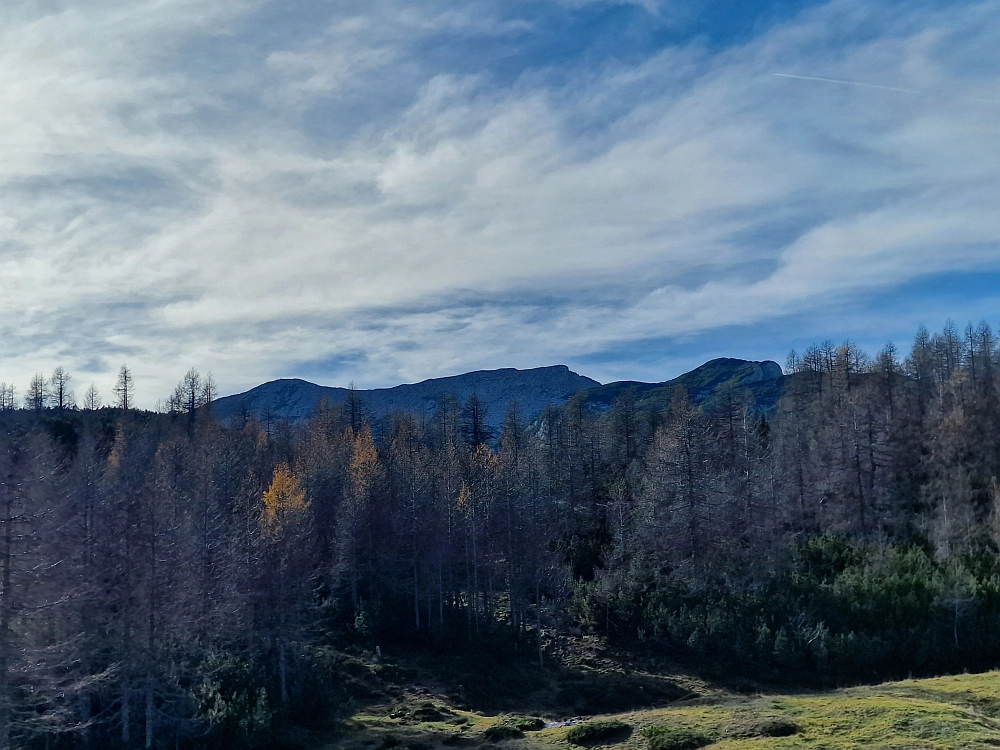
(388, 191)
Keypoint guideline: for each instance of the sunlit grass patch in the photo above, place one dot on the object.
(959, 712)
(890, 716)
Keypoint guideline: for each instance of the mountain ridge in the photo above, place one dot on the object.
(534, 389)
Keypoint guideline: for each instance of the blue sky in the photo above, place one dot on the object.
(385, 191)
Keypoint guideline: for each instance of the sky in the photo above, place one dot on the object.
(381, 191)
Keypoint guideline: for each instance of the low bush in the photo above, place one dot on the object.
(778, 727)
(511, 727)
(502, 732)
(524, 723)
(426, 711)
(675, 738)
(595, 732)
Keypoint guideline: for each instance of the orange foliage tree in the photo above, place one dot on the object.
(284, 501)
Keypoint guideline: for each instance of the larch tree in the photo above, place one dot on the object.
(190, 395)
(37, 397)
(284, 519)
(354, 408)
(124, 389)
(92, 398)
(475, 428)
(59, 390)
(356, 532)
(26, 472)
(410, 480)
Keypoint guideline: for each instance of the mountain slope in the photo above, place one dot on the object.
(534, 389)
(764, 380)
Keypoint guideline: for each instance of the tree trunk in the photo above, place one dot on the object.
(6, 614)
(126, 718)
(149, 712)
(538, 615)
(282, 656)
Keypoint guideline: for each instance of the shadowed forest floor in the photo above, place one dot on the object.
(960, 711)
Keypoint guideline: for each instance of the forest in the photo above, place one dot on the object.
(167, 581)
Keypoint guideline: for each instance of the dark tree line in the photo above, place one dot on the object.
(166, 580)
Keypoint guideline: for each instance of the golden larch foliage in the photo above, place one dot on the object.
(364, 463)
(117, 448)
(284, 500)
(485, 459)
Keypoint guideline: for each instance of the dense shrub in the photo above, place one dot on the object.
(674, 738)
(843, 610)
(778, 727)
(524, 723)
(502, 732)
(512, 727)
(595, 732)
(232, 703)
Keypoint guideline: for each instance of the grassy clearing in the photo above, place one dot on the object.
(961, 712)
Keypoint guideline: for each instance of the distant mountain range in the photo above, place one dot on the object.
(534, 390)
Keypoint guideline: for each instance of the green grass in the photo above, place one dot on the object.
(959, 712)
(947, 712)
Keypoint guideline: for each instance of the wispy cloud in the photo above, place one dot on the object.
(392, 192)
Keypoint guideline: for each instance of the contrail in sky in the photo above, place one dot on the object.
(879, 86)
(850, 83)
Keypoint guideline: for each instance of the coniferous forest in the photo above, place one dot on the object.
(167, 581)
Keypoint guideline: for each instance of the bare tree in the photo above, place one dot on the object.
(92, 399)
(889, 370)
(37, 396)
(353, 407)
(24, 568)
(59, 391)
(8, 397)
(209, 392)
(124, 389)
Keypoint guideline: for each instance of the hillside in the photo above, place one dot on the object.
(534, 389)
(764, 380)
(954, 712)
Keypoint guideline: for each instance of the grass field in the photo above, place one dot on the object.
(960, 711)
